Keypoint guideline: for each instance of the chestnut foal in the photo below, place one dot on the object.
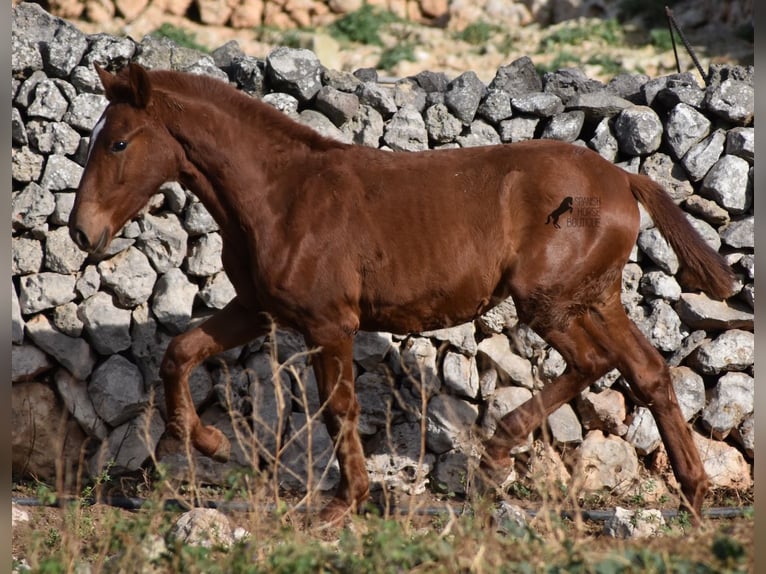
(328, 238)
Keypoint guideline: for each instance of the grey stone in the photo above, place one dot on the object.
(604, 142)
(698, 311)
(607, 462)
(724, 464)
(690, 390)
(518, 129)
(44, 291)
(419, 363)
(461, 374)
(706, 209)
(203, 527)
(63, 210)
(564, 425)
(603, 410)
(17, 322)
(598, 105)
(542, 105)
(727, 183)
(320, 124)
(85, 111)
(480, 133)
(564, 127)
(31, 207)
(129, 275)
(117, 390)
(463, 96)
(406, 131)
(217, 291)
(285, 103)
(302, 460)
(732, 100)
(441, 125)
(642, 432)
(408, 92)
(175, 198)
(61, 173)
(661, 168)
(739, 233)
(48, 102)
(684, 128)
(660, 284)
(741, 143)
(379, 98)
(88, 282)
(638, 130)
(496, 106)
(127, 444)
(26, 165)
(105, 49)
(395, 461)
(26, 255)
(61, 253)
(74, 393)
(732, 350)
(366, 127)
(450, 474)
(294, 70)
(375, 395)
(702, 156)
(371, 348)
(745, 435)
(567, 83)
(107, 326)
(52, 137)
(162, 240)
(500, 317)
(338, 106)
(173, 300)
(65, 319)
(503, 401)
(517, 78)
(28, 362)
(641, 523)
(510, 366)
(462, 337)
(73, 353)
(198, 220)
(64, 51)
(18, 129)
(731, 401)
(205, 255)
(657, 248)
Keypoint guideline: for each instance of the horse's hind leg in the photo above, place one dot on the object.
(586, 362)
(231, 326)
(649, 377)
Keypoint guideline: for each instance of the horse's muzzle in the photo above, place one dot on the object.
(82, 240)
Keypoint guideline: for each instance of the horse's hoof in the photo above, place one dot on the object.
(223, 452)
(213, 443)
(335, 513)
(494, 476)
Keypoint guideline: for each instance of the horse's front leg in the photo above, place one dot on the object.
(231, 326)
(335, 378)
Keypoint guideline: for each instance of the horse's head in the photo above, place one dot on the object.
(131, 155)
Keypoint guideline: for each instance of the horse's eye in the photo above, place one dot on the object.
(119, 145)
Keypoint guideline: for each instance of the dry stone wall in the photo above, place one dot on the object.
(88, 335)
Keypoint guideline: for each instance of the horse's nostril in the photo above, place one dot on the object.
(80, 238)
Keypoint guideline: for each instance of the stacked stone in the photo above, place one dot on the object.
(88, 334)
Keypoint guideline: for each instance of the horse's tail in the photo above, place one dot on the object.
(701, 267)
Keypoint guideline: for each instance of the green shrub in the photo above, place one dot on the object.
(363, 26)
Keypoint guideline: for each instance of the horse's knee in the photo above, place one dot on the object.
(177, 358)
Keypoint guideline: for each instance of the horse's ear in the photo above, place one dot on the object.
(109, 81)
(140, 85)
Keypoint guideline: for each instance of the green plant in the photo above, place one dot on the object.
(181, 37)
(390, 57)
(363, 25)
(660, 38)
(574, 33)
(478, 33)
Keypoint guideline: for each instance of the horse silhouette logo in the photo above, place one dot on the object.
(554, 215)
